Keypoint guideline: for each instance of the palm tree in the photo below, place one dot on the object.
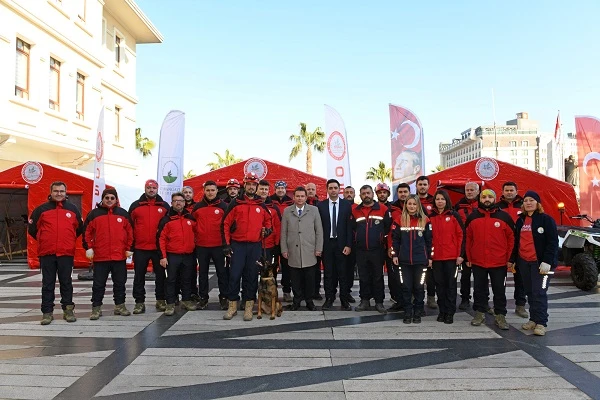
(314, 140)
(380, 173)
(143, 144)
(223, 161)
(190, 174)
(437, 168)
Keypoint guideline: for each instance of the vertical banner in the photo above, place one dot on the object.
(588, 150)
(99, 182)
(170, 155)
(408, 158)
(338, 159)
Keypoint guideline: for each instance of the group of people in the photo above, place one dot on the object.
(422, 240)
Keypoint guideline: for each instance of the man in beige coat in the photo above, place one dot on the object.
(301, 243)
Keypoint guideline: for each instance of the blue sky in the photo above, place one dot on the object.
(246, 73)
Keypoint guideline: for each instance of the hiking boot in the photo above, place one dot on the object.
(96, 313)
(464, 305)
(449, 319)
(188, 305)
(529, 325)
(161, 305)
(441, 317)
(46, 319)
(195, 298)
(479, 319)
(416, 319)
(248, 310)
(540, 330)
(202, 304)
(407, 319)
(232, 310)
(501, 323)
(380, 308)
(327, 305)
(490, 311)
(345, 305)
(68, 314)
(521, 312)
(396, 308)
(170, 310)
(287, 298)
(140, 308)
(223, 303)
(431, 302)
(120, 309)
(365, 305)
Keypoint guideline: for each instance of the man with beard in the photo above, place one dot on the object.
(188, 194)
(489, 244)
(394, 285)
(427, 204)
(350, 194)
(246, 223)
(233, 189)
(511, 202)
(283, 201)
(313, 200)
(382, 191)
(146, 213)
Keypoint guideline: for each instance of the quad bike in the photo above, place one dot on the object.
(580, 249)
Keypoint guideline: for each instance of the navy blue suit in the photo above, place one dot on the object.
(334, 261)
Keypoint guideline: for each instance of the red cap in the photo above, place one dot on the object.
(151, 182)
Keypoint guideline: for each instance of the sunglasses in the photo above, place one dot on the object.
(110, 197)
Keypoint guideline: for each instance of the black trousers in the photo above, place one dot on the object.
(465, 283)
(204, 255)
(51, 266)
(394, 285)
(444, 273)
(335, 269)
(519, 295)
(481, 290)
(118, 273)
(285, 270)
(430, 283)
(412, 279)
(370, 274)
(183, 265)
(317, 276)
(536, 287)
(243, 267)
(140, 265)
(351, 267)
(303, 283)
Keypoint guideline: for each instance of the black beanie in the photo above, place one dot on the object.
(533, 195)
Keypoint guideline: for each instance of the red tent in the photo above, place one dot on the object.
(491, 173)
(265, 170)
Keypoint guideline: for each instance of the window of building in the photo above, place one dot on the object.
(525, 161)
(514, 161)
(54, 85)
(81, 9)
(80, 102)
(525, 143)
(104, 27)
(22, 69)
(117, 124)
(513, 152)
(513, 143)
(525, 152)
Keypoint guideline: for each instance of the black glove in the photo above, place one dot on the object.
(268, 231)
(227, 252)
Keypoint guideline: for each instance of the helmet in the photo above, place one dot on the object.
(233, 183)
(251, 177)
(280, 183)
(382, 186)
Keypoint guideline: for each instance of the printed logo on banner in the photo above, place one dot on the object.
(32, 172)
(256, 165)
(170, 172)
(99, 147)
(487, 168)
(336, 146)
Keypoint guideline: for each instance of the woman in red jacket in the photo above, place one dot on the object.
(447, 251)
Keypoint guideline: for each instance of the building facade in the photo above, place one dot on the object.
(63, 61)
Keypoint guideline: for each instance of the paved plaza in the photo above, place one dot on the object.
(302, 355)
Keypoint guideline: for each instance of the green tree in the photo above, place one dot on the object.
(314, 140)
(223, 161)
(190, 174)
(381, 173)
(437, 168)
(143, 144)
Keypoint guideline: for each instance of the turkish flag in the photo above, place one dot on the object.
(588, 150)
(406, 142)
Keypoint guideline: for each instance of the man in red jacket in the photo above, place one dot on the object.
(176, 237)
(283, 201)
(489, 244)
(145, 214)
(247, 221)
(188, 193)
(108, 240)
(55, 226)
(209, 213)
(427, 204)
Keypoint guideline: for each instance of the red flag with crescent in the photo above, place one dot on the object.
(406, 136)
(588, 150)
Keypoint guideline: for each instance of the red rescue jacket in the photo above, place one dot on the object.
(490, 237)
(108, 231)
(244, 220)
(176, 233)
(209, 216)
(513, 208)
(145, 215)
(55, 226)
(448, 235)
(427, 203)
(282, 203)
(464, 207)
(273, 239)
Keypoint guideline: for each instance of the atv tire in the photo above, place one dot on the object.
(584, 271)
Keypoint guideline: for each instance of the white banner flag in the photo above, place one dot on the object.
(170, 155)
(338, 159)
(99, 182)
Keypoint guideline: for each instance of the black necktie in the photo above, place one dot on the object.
(334, 222)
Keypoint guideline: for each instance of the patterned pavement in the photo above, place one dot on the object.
(302, 355)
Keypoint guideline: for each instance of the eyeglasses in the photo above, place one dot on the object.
(178, 201)
(110, 198)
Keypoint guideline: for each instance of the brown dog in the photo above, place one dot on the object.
(268, 297)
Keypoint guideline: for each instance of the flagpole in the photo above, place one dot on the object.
(494, 112)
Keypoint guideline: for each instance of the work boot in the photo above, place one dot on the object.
(441, 317)
(490, 311)
(479, 319)
(380, 308)
(223, 303)
(431, 302)
(396, 308)
(202, 304)
(188, 305)
(248, 310)
(345, 305)
(170, 310)
(540, 330)
(96, 313)
(140, 308)
(120, 309)
(529, 325)
(232, 310)
(327, 305)
(464, 304)
(242, 305)
(449, 319)
(365, 305)
(46, 319)
(501, 323)
(161, 305)
(287, 298)
(521, 312)
(68, 314)
(195, 298)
